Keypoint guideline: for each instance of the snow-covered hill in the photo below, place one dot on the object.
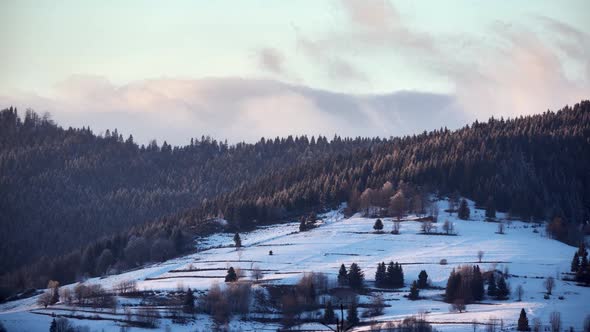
(526, 254)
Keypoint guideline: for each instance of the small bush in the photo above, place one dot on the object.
(443, 261)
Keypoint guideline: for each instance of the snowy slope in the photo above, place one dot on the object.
(529, 257)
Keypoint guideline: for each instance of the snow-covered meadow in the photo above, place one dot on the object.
(528, 256)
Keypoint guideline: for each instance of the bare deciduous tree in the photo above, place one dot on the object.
(45, 298)
(519, 292)
(500, 228)
(549, 285)
(480, 255)
(426, 227)
(448, 227)
(396, 227)
(555, 321)
(256, 273)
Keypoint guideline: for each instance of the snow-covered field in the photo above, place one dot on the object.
(529, 257)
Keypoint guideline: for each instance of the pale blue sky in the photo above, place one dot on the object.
(532, 54)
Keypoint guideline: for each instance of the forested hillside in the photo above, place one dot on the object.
(535, 167)
(61, 188)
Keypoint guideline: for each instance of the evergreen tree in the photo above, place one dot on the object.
(523, 322)
(423, 279)
(503, 290)
(492, 289)
(477, 284)
(394, 275)
(453, 284)
(231, 275)
(380, 275)
(342, 276)
(189, 301)
(390, 275)
(356, 276)
(352, 317)
(329, 316)
(414, 291)
(237, 240)
(575, 262)
(464, 211)
(491, 208)
(53, 326)
(378, 226)
(302, 225)
(398, 281)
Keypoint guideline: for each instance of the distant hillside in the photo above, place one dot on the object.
(532, 167)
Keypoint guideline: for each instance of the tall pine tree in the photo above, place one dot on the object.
(342, 276)
(423, 279)
(523, 322)
(356, 276)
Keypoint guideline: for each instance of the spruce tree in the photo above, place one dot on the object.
(503, 290)
(398, 280)
(492, 289)
(329, 316)
(453, 284)
(378, 226)
(355, 276)
(575, 262)
(380, 275)
(423, 279)
(390, 275)
(463, 212)
(414, 291)
(53, 326)
(189, 301)
(342, 276)
(231, 275)
(237, 240)
(523, 322)
(352, 317)
(477, 284)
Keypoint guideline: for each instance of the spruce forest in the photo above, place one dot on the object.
(85, 202)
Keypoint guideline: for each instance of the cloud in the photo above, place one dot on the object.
(270, 59)
(523, 74)
(236, 109)
(334, 65)
(380, 24)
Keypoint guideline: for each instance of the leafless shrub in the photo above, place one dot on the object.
(256, 273)
(458, 306)
(555, 321)
(426, 227)
(125, 287)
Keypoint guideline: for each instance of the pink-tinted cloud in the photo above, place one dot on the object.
(271, 59)
(236, 109)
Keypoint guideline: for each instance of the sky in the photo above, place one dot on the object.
(240, 70)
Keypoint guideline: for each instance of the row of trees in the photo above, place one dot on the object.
(390, 276)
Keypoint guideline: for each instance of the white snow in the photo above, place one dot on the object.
(338, 240)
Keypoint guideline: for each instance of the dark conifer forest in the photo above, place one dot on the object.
(74, 203)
